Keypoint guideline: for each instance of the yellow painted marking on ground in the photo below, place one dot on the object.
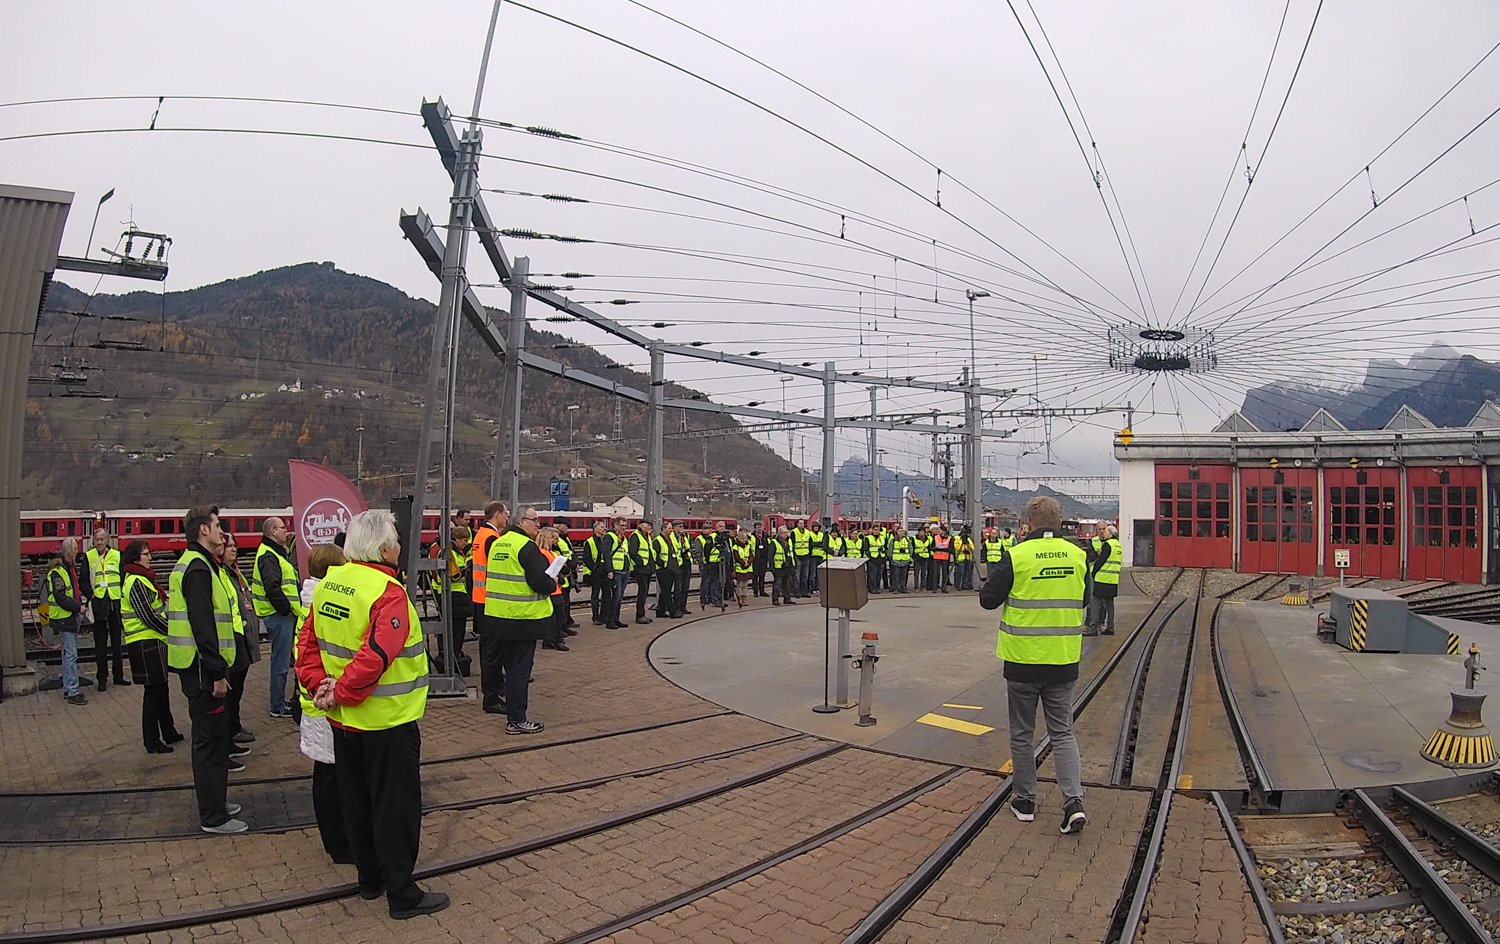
(1184, 781)
(1007, 768)
(953, 724)
(969, 707)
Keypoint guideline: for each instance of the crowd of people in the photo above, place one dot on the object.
(352, 641)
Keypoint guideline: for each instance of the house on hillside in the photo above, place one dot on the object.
(631, 505)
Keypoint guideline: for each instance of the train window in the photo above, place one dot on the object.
(165, 525)
(72, 527)
(1205, 490)
(148, 526)
(1184, 489)
(129, 527)
(28, 529)
(1335, 496)
(243, 525)
(258, 523)
(1164, 490)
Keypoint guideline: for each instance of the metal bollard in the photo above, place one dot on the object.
(866, 665)
(1472, 666)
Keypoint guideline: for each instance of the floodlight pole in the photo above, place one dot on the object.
(874, 476)
(506, 478)
(829, 385)
(652, 499)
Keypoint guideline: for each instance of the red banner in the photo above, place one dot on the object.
(323, 501)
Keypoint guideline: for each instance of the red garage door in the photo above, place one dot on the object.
(1361, 517)
(1444, 524)
(1279, 526)
(1192, 516)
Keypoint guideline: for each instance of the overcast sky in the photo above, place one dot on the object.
(721, 215)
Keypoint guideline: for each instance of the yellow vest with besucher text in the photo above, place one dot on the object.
(1110, 572)
(137, 629)
(104, 572)
(1042, 622)
(341, 621)
(288, 583)
(507, 594)
(182, 648)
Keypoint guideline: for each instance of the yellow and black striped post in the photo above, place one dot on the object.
(1462, 742)
(1359, 624)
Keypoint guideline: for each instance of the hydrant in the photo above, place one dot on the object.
(866, 665)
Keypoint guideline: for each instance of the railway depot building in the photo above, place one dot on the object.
(1411, 501)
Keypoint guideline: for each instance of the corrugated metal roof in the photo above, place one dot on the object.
(31, 226)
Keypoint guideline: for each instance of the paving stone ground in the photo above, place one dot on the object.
(1200, 895)
(1008, 879)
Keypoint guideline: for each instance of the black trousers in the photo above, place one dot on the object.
(666, 591)
(462, 608)
(328, 808)
(642, 591)
(491, 661)
(236, 692)
(758, 580)
(781, 584)
(380, 782)
(212, 740)
(518, 656)
(156, 715)
(606, 595)
(109, 634)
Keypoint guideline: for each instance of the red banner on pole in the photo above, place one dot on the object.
(323, 502)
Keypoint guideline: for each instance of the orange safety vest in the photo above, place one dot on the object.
(552, 556)
(940, 548)
(480, 555)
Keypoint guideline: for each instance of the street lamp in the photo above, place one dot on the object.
(971, 294)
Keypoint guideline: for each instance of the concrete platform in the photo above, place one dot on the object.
(1325, 720)
(939, 690)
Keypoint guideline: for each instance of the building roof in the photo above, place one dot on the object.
(1487, 416)
(1407, 418)
(1236, 422)
(1323, 422)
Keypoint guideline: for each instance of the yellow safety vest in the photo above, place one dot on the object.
(104, 572)
(744, 558)
(53, 610)
(780, 553)
(136, 629)
(874, 546)
(507, 594)
(835, 544)
(801, 541)
(963, 550)
(922, 547)
(620, 559)
(818, 544)
(288, 583)
(341, 621)
(994, 551)
(901, 550)
(1110, 572)
(182, 648)
(1042, 621)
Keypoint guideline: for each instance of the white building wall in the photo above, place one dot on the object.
(1137, 500)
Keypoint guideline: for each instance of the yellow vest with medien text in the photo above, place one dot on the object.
(136, 629)
(182, 648)
(1042, 622)
(341, 621)
(507, 595)
(289, 588)
(104, 572)
(1110, 572)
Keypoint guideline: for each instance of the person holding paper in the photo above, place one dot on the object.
(518, 602)
(546, 540)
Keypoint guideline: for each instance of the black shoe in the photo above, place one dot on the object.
(643, 620)
(240, 750)
(1089, 632)
(775, 602)
(431, 903)
(567, 631)
(572, 623)
(495, 707)
(158, 749)
(790, 602)
(245, 737)
(598, 622)
(1109, 632)
(103, 685)
(1073, 817)
(77, 699)
(122, 682)
(173, 738)
(1025, 810)
(561, 647)
(235, 766)
(370, 894)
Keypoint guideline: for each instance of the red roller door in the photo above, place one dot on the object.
(1362, 516)
(1444, 531)
(1277, 521)
(1192, 516)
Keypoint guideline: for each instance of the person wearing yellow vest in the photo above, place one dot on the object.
(921, 553)
(491, 657)
(818, 547)
(762, 540)
(1106, 572)
(143, 615)
(572, 574)
(104, 578)
(274, 588)
(363, 656)
(683, 555)
(1042, 584)
(802, 542)
(547, 541)
(598, 555)
(640, 552)
(872, 548)
(783, 562)
(963, 560)
(61, 604)
(316, 742)
(620, 567)
(246, 653)
(991, 553)
(664, 558)
(519, 604)
(460, 596)
(203, 616)
(901, 552)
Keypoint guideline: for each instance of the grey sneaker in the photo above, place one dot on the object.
(227, 828)
(1025, 810)
(524, 727)
(232, 809)
(1073, 817)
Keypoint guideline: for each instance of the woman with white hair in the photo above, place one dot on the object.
(363, 657)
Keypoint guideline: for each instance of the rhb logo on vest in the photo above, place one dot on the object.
(333, 610)
(1051, 573)
(323, 520)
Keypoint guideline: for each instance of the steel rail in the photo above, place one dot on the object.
(894, 905)
(1260, 777)
(1133, 692)
(771, 861)
(1471, 847)
(1263, 906)
(1281, 579)
(1168, 784)
(318, 896)
(1247, 584)
(1457, 921)
(446, 759)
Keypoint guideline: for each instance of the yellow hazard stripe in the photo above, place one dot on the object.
(1453, 644)
(953, 724)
